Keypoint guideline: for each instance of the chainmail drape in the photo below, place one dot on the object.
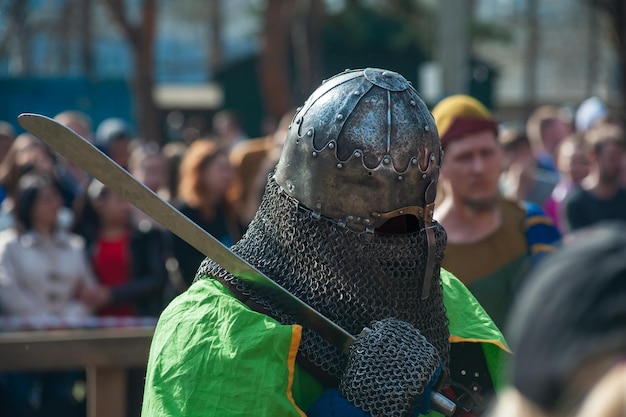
(351, 278)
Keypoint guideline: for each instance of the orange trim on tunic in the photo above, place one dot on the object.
(296, 335)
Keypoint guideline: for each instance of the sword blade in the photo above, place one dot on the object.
(89, 158)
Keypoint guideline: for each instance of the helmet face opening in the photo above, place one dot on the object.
(400, 225)
(363, 149)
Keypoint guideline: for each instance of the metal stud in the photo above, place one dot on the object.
(432, 156)
(476, 374)
(298, 109)
(414, 161)
(423, 176)
(340, 165)
(314, 154)
(331, 145)
(356, 93)
(367, 221)
(350, 219)
(309, 132)
(463, 372)
(358, 154)
(427, 128)
(400, 177)
(340, 116)
(413, 103)
(474, 388)
(386, 160)
(318, 205)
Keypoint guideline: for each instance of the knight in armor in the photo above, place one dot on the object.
(345, 225)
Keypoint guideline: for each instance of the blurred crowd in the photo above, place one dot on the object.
(71, 248)
(72, 251)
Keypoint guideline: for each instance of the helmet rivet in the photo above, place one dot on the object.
(367, 221)
(413, 103)
(314, 154)
(400, 178)
(358, 154)
(309, 132)
(386, 160)
(423, 176)
(298, 109)
(340, 165)
(350, 218)
(414, 161)
(318, 205)
(331, 145)
(401, 211)
(356, 93)
(427, 128)
(432, 156)
(340, 116)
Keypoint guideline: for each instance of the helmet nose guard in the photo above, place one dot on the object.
(363, 149)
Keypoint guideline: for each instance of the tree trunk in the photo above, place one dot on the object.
(616, 15)
(274, 58)
(306, 45)
(215, 54)
(141, 39)
(85, 37)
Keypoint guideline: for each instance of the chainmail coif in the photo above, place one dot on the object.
(351, 278)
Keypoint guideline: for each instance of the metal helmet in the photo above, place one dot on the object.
(363, 149)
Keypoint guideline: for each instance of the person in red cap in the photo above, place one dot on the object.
(491, 240)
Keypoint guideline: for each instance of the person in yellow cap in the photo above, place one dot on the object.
(491, 240)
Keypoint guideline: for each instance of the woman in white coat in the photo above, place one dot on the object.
(43, 272)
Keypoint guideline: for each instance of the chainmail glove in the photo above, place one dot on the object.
(391, 370)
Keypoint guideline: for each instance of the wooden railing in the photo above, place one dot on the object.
(106, 353)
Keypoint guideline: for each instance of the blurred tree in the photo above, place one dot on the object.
(141, 36)
(215, 51)
(615, 11)
(16, 37)
(274, 59)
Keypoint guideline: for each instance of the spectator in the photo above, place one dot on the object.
(253, 161)
(602, 197)
(7, 136)
(128, 261)
(113, 138)
(206, 176)
(590, 113)
(573, 164)
(26, 153)
(147, 164)
(568, 331)
(173, 153)
(228, 129)
(546, 127)
(505, 235)
(70, 175)
(523, 178)
(43, 272)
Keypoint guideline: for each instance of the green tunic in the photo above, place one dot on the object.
(213, 356)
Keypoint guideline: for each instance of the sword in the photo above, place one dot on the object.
(81, 152)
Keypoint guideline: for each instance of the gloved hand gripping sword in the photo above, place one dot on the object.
(78, 150)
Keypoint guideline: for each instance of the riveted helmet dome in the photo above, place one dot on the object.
(363, 148)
